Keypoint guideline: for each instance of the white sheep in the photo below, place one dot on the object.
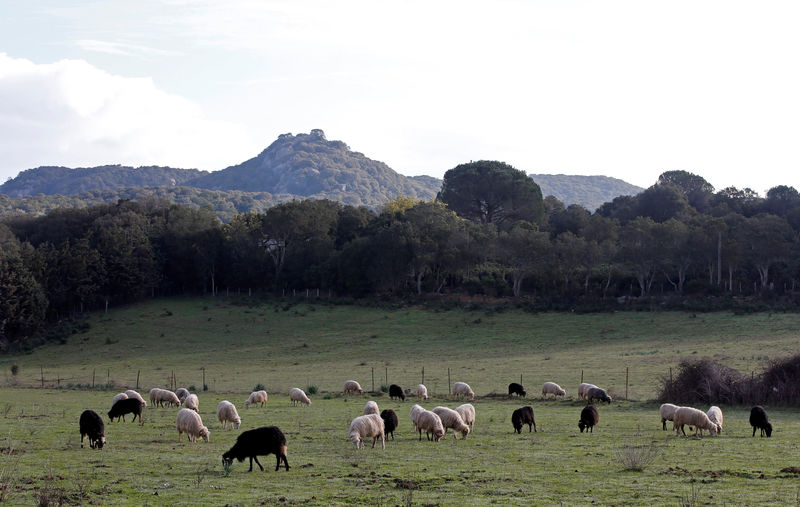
(154, 396)
(133, 394)
(192, 402)
(422, 392)
(415, 411)
(298, 396)
(584, 388)
(256, 397)
(168, 397)
(715, 415)
(120, 396)
(552, 388)
(189, 422)
(693, 417)
(431, 424)
(467, 413)
(667, 412)
(371, 408)
(462, 389)
(181, 393)
(226, 413)
(351, 386)
(452, 420)
(367, 426)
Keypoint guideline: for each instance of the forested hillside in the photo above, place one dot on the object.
(591, 192)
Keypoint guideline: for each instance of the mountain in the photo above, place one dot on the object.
(310, 166)
(591, 192)
(65, 181)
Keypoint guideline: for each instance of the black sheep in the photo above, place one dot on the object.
(589, 418)
(92, 426)
(258, 442)
(389, 422)
(522, 416)
(595, 393)
(395, 391)
(126, 406)
(758, 420)
(514, 388)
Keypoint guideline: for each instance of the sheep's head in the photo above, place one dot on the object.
(101, 442)
(205, 433)
(464, 431)
(581, 425)
(227, 460)
(768, 429)
(236, 423)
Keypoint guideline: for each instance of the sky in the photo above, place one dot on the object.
(628, 89)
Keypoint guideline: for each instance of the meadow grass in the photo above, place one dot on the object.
(282, 345)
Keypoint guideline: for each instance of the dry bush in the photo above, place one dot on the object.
(705, 381)
(780, 383)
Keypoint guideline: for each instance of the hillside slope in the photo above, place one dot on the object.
(591, 192)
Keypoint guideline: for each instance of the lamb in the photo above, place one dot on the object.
(462, 389)
(452, 420)
(758, 420)
(422, 392)
(416, 410)
(552, 388)
(226, 413)
(693, 417)
(595, 393)
(523, 416)
(367, 426)
(667, 412)
(389, 422)
(188, 421)
(256, 397)
(467, 413)
(589, 418)
(351, 386)
(91, 425)
(120, 396)
(298, 396)
(584, 388)
(126, 406)
(431, 424)
(715, 414)
(395, 391)
(133, 394)
(192, 402)
(258, 442)
(181, 393)
(371, 408)
(514, 388)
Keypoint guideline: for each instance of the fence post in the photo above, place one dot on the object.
(108, 376)
(581, 376)
(448, 382)
(626, 382)
(93, 379)
(387, 375)
(520, 379)
(42, 370)
(204, 378)
(373, 379)
(137, 378)
(423, 375)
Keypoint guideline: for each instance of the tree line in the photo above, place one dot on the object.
(489, 232)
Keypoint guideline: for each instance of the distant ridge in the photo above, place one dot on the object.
(591, 192)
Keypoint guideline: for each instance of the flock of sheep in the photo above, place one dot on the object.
(374, 424)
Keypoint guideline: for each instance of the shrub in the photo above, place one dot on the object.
(312, 389)
(259, 387)
(705, 381)
(637, 455)
(780, 383)
(14, 369)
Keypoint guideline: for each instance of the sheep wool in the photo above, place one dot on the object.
(226, 413)
(452, 420)
(371, 408)
(552, 388)
(422, 392)
(715, 415)
(298, 396)
(133, 394)
(188, 421)
(467, 413)
(462, 389)
(351, 386)
(693, 417)
(667, 412)
(416, 410)
(431, 424)
(256, 397)
(367, 426)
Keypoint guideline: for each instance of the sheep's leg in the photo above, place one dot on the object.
(258, 463)
(383, 443)
(285, 461)
(81, 442)
(664, 424)
(251, 464)
(534, 427)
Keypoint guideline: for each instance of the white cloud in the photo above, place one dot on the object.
(71, 113)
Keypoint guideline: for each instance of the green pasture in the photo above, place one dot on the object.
(282, 345)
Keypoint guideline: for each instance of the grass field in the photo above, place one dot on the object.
(283, 345)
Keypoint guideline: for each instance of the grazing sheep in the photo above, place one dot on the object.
(192, 402)
(120, 396)
(758, 420)
(158, 397)
(452, 420)
(389, 422)
(258, 442)
(431, 424)
(422, 392)
(298, 396)
(467, 413)
(552, 388)
(462, 389)
(595, 393)
(126, 406)
(715, 414)
(371, 408)
(181, 393)
(522, 416)
(667, 413)
(91, 425)
(416, 410)
(589, 418)
(514, 388)
(693, 417)
(226, 413)
(256, 397)
(188, 421)
(584, 388)
(154, 396)
(351, 386)
(395, 391)
(133, 394)
(367, 426)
